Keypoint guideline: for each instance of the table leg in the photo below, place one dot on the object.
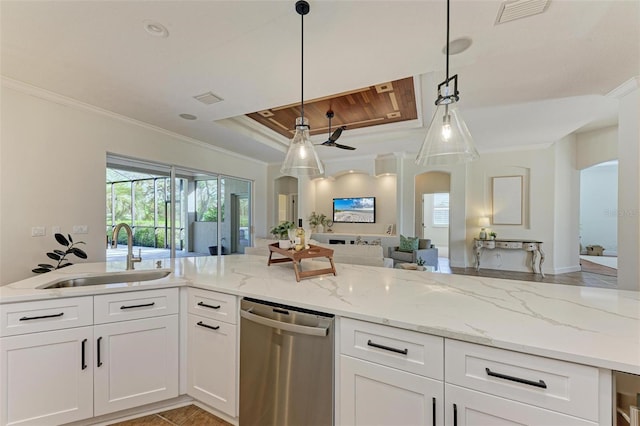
(541, 259)
(478, 252)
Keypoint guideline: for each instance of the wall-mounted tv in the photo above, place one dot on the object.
(354, 210)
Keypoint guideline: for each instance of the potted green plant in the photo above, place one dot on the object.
(317, 222)
(420, 263)
(493, 235)
(281, 232)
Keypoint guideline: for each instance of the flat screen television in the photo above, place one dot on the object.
(354, 210)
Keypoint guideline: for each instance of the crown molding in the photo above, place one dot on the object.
(74, 103)
(625, 88)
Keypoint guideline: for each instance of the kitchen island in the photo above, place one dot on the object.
(589, 326)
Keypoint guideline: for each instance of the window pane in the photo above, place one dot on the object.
(441, 209)
(122, 202)
(207, 200)
(143, 193)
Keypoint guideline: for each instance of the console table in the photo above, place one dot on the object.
(535, 247)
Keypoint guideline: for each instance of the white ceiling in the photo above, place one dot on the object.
(526, 82)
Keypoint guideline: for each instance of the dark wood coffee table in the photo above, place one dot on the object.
(297, 256)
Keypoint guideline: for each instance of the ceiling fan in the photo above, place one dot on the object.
(335, 135)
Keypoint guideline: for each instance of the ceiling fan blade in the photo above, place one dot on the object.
(337, 145)
(335, 135)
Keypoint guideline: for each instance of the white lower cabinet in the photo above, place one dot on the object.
(47, 377)
(466, 407)
(373, 394)
(211, 363)
(136, 363)
(57, 367)
(212, 354)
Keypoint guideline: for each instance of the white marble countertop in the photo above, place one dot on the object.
(593, 326)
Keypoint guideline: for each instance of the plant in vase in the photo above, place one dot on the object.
(317, 222)
(420, 263)
(493, 235)
(281, 232)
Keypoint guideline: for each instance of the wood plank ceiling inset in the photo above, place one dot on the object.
(384, 103)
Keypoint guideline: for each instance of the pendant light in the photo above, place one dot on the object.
(302, 159)
(448, 140)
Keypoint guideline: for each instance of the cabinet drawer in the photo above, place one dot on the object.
(406, 350)
(135, 305)
(509, 244)
(214, 305)
(30, 317)
(547, 383)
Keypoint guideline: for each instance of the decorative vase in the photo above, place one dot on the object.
(319, 229)
(284, 244)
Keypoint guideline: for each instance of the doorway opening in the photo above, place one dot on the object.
(432, 213)
(599, 218)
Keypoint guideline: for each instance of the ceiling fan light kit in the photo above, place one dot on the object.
(301, 158)
(448, 139)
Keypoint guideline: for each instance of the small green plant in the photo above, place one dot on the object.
(420, 261)
(493, 235)
(61, 255)
(281, 230)
(317, 219)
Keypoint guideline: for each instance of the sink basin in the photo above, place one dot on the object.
(112, 278)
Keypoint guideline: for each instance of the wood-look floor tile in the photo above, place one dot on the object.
(179, 416)
(152, 420)
(203, 418)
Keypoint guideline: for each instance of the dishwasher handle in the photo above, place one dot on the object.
(294, 328)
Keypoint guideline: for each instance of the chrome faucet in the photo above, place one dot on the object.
(131, 259)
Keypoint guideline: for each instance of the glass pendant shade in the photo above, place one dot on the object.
(448, 140)
(302, 159)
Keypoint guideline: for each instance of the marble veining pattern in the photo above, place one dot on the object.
(594, 326)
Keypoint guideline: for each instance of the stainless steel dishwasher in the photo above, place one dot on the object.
(286, 365)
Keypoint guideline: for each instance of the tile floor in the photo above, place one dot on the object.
(189, 415)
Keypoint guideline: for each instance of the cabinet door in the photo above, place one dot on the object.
(372, 394)
(47, 378)
(211, 363)
(467, 407)
(136, 363)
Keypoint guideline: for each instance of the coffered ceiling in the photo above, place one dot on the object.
(384, 103)
(527, 82)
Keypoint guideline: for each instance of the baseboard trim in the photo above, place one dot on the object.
(132, 413)
(566, 270)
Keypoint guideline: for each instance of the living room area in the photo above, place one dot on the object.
(548, 200)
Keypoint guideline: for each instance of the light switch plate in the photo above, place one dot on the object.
(80, 229)
(38, 231)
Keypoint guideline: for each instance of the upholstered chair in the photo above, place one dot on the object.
(427, 251)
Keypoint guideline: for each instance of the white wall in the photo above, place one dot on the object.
(596, 146)
(629, 188)
(358, 185)
(566, 207)
(599, 206)
(53, 159)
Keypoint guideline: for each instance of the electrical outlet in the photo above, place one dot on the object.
(38, 231)
(80, 229)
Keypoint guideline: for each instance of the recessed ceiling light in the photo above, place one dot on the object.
(458, 45)
(156, 29)
(188, 116)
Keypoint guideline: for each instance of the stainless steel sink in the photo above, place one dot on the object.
(111, 278)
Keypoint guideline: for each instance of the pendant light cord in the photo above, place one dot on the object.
(302, 67)
(447, 47)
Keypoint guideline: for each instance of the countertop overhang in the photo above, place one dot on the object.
(592, 326)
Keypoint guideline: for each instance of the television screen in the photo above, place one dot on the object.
(354, 210)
